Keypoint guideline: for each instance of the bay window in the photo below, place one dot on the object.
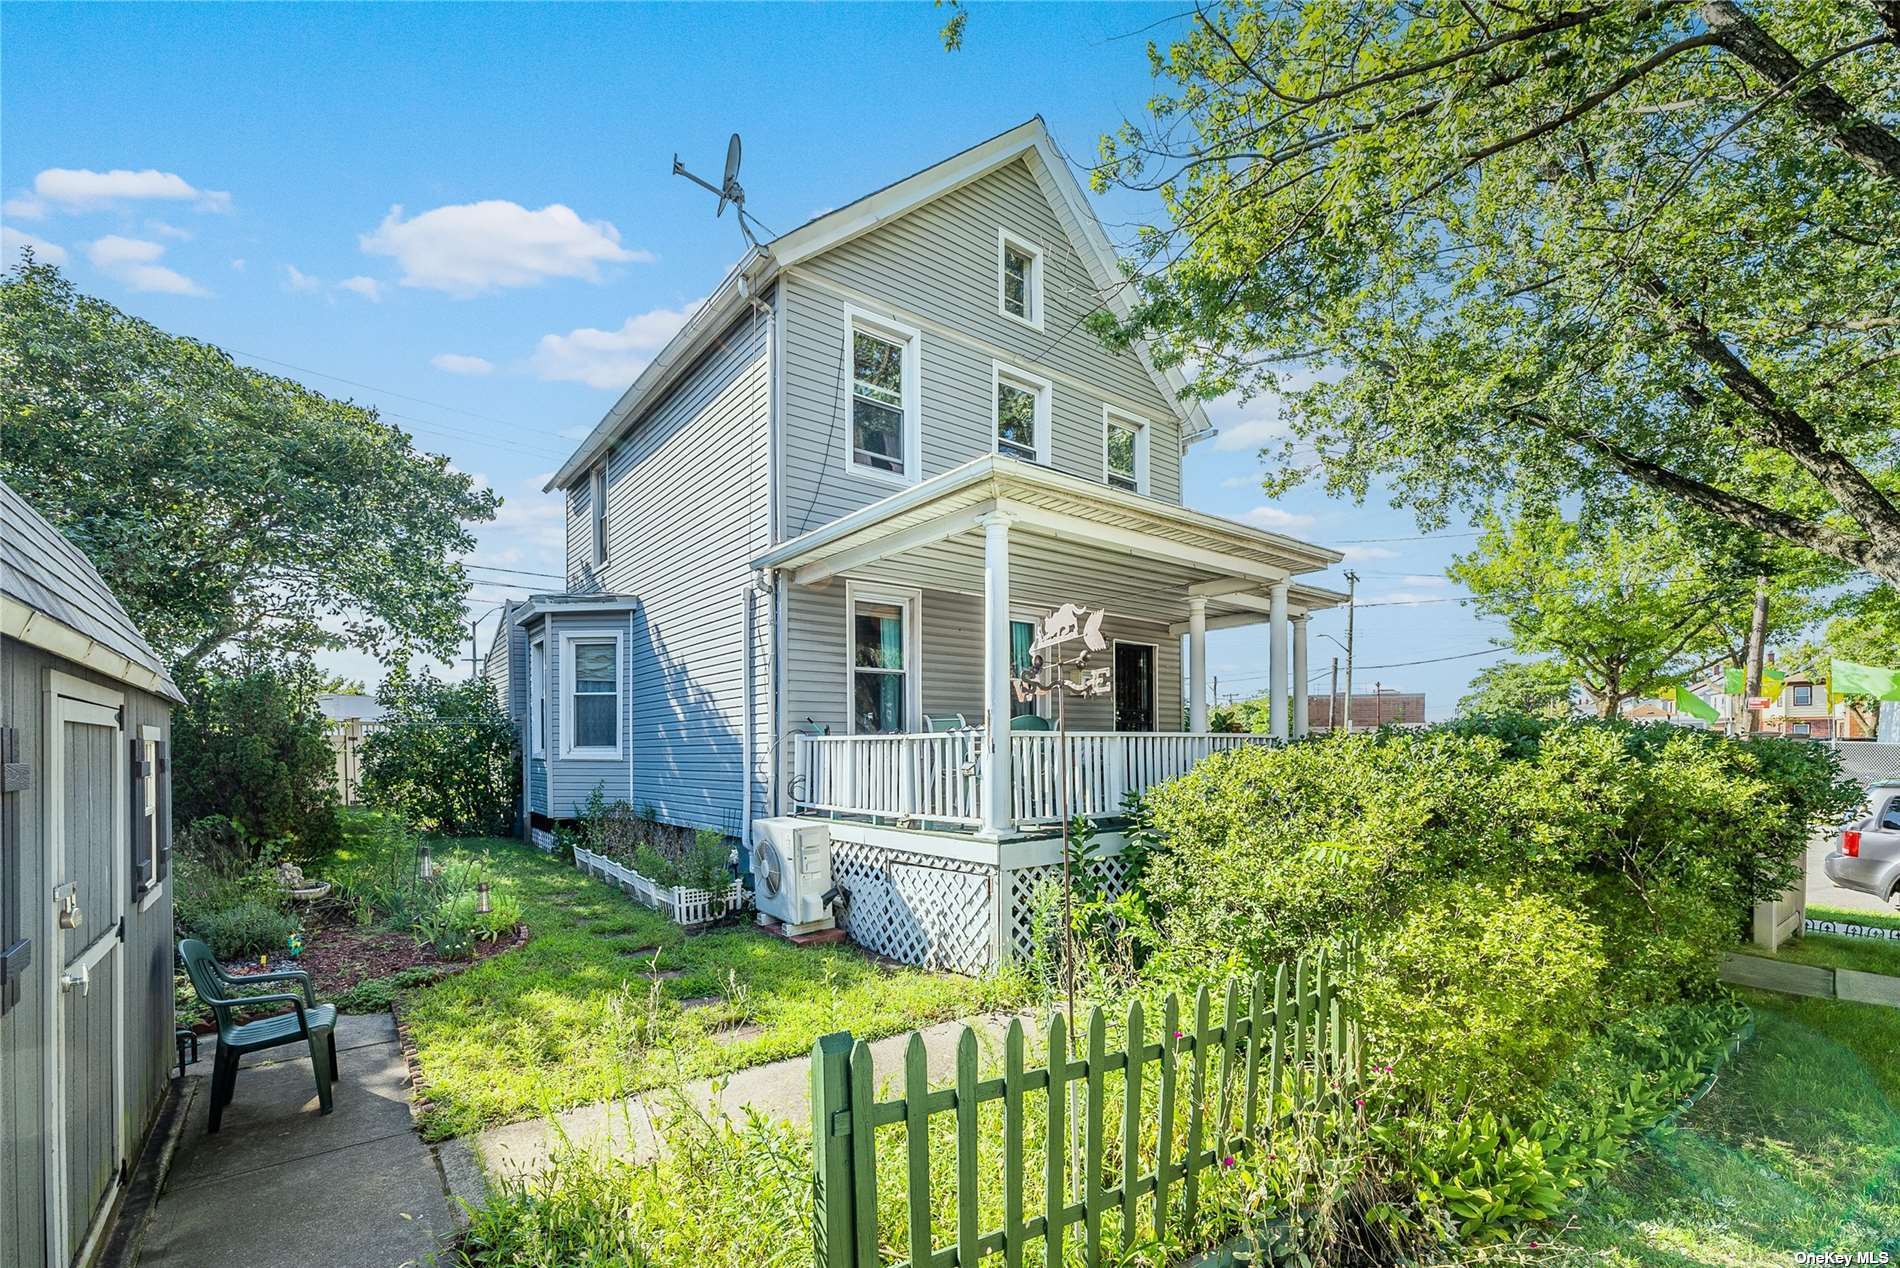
(591, 695)
(538, 697)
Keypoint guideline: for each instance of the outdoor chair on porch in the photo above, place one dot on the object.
(311, 1023)
(937, 723)
(1029, 722)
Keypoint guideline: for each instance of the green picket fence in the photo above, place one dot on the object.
(1280, 1047)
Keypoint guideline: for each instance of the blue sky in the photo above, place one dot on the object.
(464, 216)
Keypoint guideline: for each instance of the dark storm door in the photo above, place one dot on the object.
(1134, 687)
(86, 768)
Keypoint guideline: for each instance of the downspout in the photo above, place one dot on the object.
(776, 598)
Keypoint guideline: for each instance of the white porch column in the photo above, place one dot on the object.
(1299, 677)
(1276, 660)
(1197, 664)
(996, 789)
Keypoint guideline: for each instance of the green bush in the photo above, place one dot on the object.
(250, 928)
(215, 869)
(445, 756)
(249, 744)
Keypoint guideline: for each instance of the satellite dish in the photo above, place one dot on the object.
(728, 189)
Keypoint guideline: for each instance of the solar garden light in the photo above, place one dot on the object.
(482, 905)
(425, 865)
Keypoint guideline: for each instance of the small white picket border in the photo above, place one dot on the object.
(687, 907)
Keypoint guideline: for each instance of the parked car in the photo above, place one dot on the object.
(1866, 854)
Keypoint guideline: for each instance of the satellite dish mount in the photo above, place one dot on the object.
(729, 190)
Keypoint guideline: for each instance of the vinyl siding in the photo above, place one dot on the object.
(687, 495)
(538, 785)
(939, 263)
(147, 961)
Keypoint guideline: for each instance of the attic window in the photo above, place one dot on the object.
(1019, 279)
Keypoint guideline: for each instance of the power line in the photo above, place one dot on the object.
(519, 572)
(1397, 664)
(1422, 537)
(371, 387)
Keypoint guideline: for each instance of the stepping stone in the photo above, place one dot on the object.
(738, 1032)
(663, 975)
(644, 953)
(702, 1001)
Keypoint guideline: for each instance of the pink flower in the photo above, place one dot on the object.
(1228, 1161)
(1177, 1034)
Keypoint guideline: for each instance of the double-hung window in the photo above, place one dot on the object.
(883, 651)
(1022, 414)
(598, 495)
(591, 695)
(538, 697)
(1803, 696)
(1124, 450)
(1022, 634)
(1018, 279)
(884, 399)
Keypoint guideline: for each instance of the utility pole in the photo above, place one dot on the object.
(1352, 585)
(474, 650)
(1378, 703)
(1757, 653)
(1332, 701)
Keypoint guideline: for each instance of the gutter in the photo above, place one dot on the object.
(50, 634)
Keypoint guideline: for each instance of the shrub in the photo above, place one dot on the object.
(378, 993)
(215, 869)
(249, 928)
(249, 744)
(445, 756)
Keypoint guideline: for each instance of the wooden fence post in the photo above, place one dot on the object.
(832, 1240)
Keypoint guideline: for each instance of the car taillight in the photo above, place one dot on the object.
(1850, 843)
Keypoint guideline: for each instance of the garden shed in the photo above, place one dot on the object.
(85, 894)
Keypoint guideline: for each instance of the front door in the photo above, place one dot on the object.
(86, 776)
(1134, 687)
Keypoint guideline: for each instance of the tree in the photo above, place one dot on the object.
(1554, 249)
(445, 755)
(1537, 688)
(1620, 603)
(249, 744)
(229, 510)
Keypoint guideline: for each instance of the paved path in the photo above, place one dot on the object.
(781, 1090)
(281, 1186)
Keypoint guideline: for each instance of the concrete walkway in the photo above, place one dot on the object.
(781, 1090)
(281, 1186)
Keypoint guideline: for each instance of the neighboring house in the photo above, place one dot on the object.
(1370, 710)
(808, 545)
(348, 716)
(85, 898)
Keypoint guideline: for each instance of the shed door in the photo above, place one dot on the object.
(84, 793)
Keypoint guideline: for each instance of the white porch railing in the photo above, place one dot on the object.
(934, 777)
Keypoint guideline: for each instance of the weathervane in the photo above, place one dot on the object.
(1053, 672)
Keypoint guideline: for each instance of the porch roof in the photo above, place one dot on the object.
(1164, 552)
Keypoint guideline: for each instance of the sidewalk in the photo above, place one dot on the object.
(782, 1090)
(281, 1186)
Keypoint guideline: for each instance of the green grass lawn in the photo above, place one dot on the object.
(1797, 1148)
(573, 1017)
(1869, 955)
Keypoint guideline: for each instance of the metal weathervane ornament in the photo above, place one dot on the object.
(1056, 670)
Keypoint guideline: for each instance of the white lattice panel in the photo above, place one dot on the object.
(917, 909)
(1020, 929)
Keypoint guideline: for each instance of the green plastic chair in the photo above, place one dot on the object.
(945, 722)
(1029, 722)
(312, 1023)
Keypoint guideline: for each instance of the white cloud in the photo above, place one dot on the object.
(237, 265)
(295, 279)
(173, 232)
(79, 189)
(13, 241)
(1422, 579)
(1276, 520)
(1242, 481)
(25, 207)
(134, 262)
(368, 287)
(459, 363)
(470, 248)
(609, 358)
(1250, 433)
(1366, 554)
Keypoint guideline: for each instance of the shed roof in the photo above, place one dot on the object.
(55, 598)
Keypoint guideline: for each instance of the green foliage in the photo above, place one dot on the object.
(246, 929)
(215, 869)
(380, 875)
(1544, 254)
(1538, 688)
(376, 994)
(669, 856)
(227, 508)
(249, 744)
(445, 756)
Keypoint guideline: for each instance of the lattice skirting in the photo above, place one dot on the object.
(917, 908)
(1022, 882)
(541, 839)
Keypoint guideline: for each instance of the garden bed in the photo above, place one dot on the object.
(687, 907)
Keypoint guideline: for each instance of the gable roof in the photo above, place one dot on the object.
(52, 597)
(1029, 141)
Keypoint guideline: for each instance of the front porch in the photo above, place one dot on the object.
(906, 620)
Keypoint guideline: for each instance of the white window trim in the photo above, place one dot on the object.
(593, 753)
(912, 600)
(149, 896)
(912, 339)
(1045, 701)
(1154, 682)
(538, 697)
(1142, 431)
(597, 514)
(1033, 283)
(1000, 373)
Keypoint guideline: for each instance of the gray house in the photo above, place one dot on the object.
(807, 546)
(85, 894)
